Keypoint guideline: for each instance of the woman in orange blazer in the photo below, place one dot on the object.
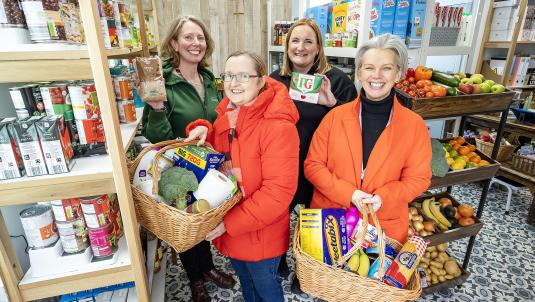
(372, 150)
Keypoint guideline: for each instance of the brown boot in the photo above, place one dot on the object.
(219, 278)
(198, 292)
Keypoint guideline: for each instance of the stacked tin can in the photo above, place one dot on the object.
(71, 225)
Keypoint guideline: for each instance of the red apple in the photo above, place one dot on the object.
(466, 88)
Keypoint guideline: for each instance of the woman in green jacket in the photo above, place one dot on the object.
(191, 95)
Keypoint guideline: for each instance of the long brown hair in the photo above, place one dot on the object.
(320, 62)
(169, 52)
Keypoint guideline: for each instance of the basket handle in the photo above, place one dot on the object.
(361, 235)
(145, 150)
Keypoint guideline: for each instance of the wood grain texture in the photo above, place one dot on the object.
(10, 270)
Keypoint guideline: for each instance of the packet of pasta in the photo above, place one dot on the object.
(151, 80)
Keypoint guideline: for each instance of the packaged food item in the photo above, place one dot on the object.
(406, 262)
(44, 21)
(38, 224)
(127, 111)
(11, 14)
(151, 80)
(73, 235)
(371, 238)
(323, 234)
(96, 210)
(198, 159)
(66, 209)
(11, 162)
(390, 254)
(56, 144)
(26, 136)
(305, 87)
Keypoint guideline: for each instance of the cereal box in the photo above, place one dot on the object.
(402, 18)
(339, 18)
(305, 87)
(197, 159)
(323, 234)
(353, 16)
(10, 159)
(319, 15)
(382, 16)
(416, 24)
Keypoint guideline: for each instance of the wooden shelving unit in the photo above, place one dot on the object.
(90, 176)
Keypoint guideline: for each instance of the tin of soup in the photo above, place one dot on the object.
(103, 242)
(96, 210)
(66, 209)
(38, 224)
(73, 235)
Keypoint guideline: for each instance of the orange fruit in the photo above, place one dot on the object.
(456, 147)
(453, 142)
(471, 147)
(460, 140)
(471, 154)
(465, 158)
(463, 150)
(475, 159)
(483, 163)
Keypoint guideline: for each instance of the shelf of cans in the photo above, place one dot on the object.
(46, 21)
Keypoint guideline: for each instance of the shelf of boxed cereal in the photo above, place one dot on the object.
(89, 176)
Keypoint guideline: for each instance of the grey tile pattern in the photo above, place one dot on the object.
(502, 265)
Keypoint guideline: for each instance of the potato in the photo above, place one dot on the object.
(427, 255)
(442, 247)
(443, 272)
(435, 271)
(434, 255)
(441, 278)
(443, 257)
(425, 260)
(432, 249)
(424, 265)
(452, 268)
(434, 279)
(436, 264)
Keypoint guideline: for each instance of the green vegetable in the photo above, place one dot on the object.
(445, 79)
(450, 91)
(439, 166)
(175, 183)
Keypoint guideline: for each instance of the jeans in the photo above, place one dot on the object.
(259, 280)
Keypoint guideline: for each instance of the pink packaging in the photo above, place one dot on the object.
(103, 243)
(437, 14)
(443, 16)
(460, 17)
(450, 16)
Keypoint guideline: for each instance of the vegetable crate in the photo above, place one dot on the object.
(448, 283)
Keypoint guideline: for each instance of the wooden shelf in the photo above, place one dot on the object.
(525, 42)
(504, 44)
(89, 176)
(89, 277)
(522, 87)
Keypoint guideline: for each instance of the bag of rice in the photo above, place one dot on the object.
(151, 80)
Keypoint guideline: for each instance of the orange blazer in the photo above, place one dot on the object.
(398, 169)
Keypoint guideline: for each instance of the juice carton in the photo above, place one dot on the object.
(11, 162)
(382, 16)
(197, 159)
(30, 148)
(416, 24)
(402, 18)
(323, 234)
(56, 144)
(305, 87)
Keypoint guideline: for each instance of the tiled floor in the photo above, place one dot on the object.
(502, 265)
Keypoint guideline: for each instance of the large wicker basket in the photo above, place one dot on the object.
(524, 164)
(504, 152)
(332, 283)
(179, 229)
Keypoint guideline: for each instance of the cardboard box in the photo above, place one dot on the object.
(11, 165)
(323, 234)
(30, 147)
(401, 19)
(382, 17)
(56, 144)
(415, 27)
(197, 159)
(339, 18)
(353, 16)
(305, 87)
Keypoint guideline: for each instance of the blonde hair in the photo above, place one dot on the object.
(259, 63)
(169, 52)
(320, 62)
(385, 41)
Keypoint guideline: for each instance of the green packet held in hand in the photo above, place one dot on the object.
(305, 87)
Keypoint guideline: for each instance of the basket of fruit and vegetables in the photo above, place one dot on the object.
(439, 270)
(161, 196)
(454, 161)
(434, 94)
(441, 218)
(485, 143)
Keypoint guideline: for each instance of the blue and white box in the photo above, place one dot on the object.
(382, 17)
(415, 28)
(403, 9)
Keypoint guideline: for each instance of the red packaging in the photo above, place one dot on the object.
(56, 144)
(443, 16)
(450, 16)
(96, 210)
(103, 242)
(90, 131)
(66, 209)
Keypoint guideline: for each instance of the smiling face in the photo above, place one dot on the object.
(190, 43)
(241, 93)
(303, 47)
(378, 73)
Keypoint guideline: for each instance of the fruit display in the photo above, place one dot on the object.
(419, 226)
(438, 266)
(460, 155)
(445, 214)
(476, 84)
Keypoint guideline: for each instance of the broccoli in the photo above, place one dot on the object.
(439, 166)
(175, 183)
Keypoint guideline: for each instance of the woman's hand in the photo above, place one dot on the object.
(375, 201)
(159, 105)
(200, 132)
(326, 97)
(218, 231)
(357, 198)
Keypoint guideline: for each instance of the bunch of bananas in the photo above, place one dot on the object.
(431, 209)
(359, 263)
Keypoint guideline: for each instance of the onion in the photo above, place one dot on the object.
(410, 232)
(429, 226)
(418, 226)
(413, 211)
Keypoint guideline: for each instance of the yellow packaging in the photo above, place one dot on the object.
(339, 18)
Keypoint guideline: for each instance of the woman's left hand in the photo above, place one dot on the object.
(218, 231)
(326, 97)
(375, 201)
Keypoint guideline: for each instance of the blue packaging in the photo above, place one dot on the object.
(382, 17)
(197, 159)
(319, 14)
(415, 26)
(403, 9)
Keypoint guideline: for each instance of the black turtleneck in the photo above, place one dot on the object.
(375, 115)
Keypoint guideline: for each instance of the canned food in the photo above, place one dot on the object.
(66, 209)
(38, 224)
(57, 100)
(96, 210)
(123, 88)
(44, 21)
(103, 242)
(73, 235)
(127, 111)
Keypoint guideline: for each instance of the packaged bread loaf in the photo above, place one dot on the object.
(151, 80)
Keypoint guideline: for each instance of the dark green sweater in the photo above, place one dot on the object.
(183, 106)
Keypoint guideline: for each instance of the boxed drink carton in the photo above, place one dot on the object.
(323, 234)
(30, 148)
(305, 87)
(382, 17)
(56, 144)
(416, 24)
(401, 19)
(198, 159)
(10, 160)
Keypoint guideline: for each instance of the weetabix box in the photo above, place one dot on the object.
(197, 159)
(323, 234)
(30, 148)
(416, 24)
(401, 19)
(10, 160)
(305, 87)
(56, 144)
(382, 17)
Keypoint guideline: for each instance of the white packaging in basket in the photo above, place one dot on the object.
(215, 187)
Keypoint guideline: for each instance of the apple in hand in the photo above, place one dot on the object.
(497, 88)
(466, 88)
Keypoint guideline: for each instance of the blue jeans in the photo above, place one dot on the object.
(259, 280)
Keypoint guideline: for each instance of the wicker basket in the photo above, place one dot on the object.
(504, 152)
(179, 229)
(524, 164)
(332, 283)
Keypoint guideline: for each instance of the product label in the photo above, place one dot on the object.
(197, 161)
(305, 88)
